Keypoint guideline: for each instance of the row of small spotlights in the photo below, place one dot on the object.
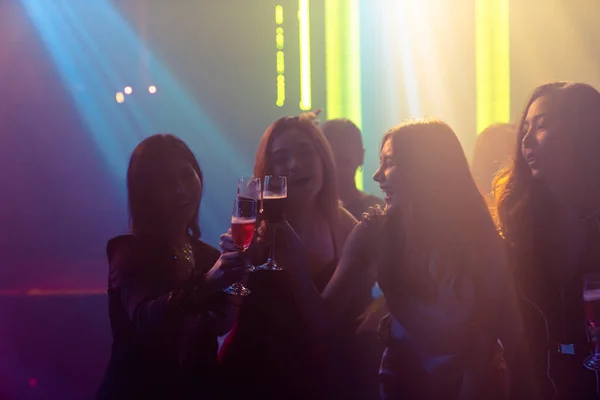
(120, 96)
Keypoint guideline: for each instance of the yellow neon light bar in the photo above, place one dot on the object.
(279, 15)
(279, 38)
(280, 60)
(305, 81)
(492, 62)
(280, 91)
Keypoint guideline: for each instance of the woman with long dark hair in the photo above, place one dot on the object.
(548, 208)
(165, 302)
(278, 348)
(441, 267)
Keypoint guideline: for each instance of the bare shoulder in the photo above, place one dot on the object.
(346, 222)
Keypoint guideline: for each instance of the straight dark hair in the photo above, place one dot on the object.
(452, 215)
(147, 176)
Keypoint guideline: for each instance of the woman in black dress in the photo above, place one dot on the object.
(548, 209)
(165, 302)
(279, 349)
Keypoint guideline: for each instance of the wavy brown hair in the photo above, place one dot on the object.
(576, 107)
(146, 177)
(327, 199)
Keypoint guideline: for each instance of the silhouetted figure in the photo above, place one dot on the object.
(345, 140)
(493, 152)
(164, 289)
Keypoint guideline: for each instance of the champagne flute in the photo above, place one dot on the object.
(243, 220)
(591, 303)
(249, 187)
(273, 211)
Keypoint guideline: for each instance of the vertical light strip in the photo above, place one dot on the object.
(342, 58)
(279, 14)
(280, 57)
(305, 81)
(492, 58)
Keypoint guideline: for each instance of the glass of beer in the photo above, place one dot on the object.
(273, 211)
(591, 303)
(243, 221)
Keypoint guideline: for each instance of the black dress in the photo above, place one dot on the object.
(553, 315)
(162, 348)
(269, 355)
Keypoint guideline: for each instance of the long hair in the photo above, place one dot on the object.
(327, 199)
(576, 107)
(493, 152)
(146, 177)
(450, 213)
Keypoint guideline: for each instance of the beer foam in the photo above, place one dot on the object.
(273, 196)
(242, 220)
(591, 295)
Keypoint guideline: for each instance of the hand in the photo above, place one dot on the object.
(362, 241)
(254, 252)
(230, 267)
(227, 244)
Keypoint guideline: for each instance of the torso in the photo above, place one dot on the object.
(270, 339)
(321, 242)
(553, 281)
(160, 270)
(566, 244)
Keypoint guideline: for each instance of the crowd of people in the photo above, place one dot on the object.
(482, 266)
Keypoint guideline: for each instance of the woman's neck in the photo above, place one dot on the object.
(297, 213)
(178, 238)
(304, 220)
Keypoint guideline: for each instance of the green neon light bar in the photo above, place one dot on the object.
(492, 58)
(342, 58)
(305, 81)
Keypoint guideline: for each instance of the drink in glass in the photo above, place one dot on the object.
(242, 229)
(243, 220)
(273, 211)
(591, 304)
(273, 208)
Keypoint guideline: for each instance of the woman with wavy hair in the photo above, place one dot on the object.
(280, 347)
(548, 207)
